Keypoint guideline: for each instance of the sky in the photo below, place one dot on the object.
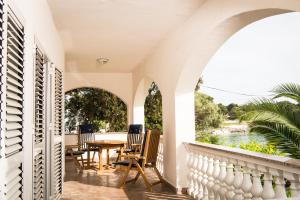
(259, 57)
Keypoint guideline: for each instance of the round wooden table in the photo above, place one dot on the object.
(103, 144)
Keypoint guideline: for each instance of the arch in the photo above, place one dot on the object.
(200, 50)
(207, 45)
(140, 94)
(139, 99)
(123, 100)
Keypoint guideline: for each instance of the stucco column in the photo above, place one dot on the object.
(179, 127)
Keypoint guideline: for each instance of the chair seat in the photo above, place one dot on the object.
(125, 151)
(124, 163)
(75, 153)
(92, 149)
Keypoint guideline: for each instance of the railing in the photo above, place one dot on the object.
(223, 173)
(160, 157)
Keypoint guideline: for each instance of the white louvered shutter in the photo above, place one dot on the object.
(1, 79)
(58, 169)
(39, 97)
(12, 187)
(1, 72)
(58, 103)
(39, 165)
(14, 86)
(39, 175)
(57, 135)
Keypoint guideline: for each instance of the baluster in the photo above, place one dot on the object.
(257, 188)
(229, 181)
(280, 191)
(237, 182)
(205, 179)
(295, 187)
(216, 173)
(200, 176)
(268, 191)
(210, 182)
(190, 174)
(195, 176)
(221, 188)
(247, 184)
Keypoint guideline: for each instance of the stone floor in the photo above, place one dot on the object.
(90, 185)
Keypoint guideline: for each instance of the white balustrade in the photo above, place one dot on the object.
(223, 173)
(160, 157)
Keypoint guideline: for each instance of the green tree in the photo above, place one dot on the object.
(153, 108)
(94, 106)
(279, 122)
(207, 113)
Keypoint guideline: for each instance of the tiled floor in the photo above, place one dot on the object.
(91, 186)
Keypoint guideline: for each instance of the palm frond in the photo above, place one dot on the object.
(265, 109)
(286, 139)
(289, 90)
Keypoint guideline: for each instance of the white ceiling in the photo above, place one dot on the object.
(125, 31)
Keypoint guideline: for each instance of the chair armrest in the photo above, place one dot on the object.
(71, 146)
(133, 156)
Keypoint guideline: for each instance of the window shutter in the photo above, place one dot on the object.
(1, 66)
(14, 86)
(13, 184)
(58, 103)
(58, 169)
(39, 176)
(39, 97)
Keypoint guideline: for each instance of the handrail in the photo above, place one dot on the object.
(219, 172)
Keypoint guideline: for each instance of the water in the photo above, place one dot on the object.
(235, 139)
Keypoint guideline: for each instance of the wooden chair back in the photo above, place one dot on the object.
(150, 146)
(135, 135)
(85, 134)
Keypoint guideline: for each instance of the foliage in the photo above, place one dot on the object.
(153, 108)
(262, 148)
(207, 113)
(207, 137)
(279, 122)
(94, 106)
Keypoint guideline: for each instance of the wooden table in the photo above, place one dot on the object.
(103, 144)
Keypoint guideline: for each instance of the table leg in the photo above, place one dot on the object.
(100, 158)
(88, 157)
(107, 156)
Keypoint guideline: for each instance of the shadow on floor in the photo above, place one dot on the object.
(90, 185)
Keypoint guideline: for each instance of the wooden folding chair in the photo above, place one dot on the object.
(134, 140)
(86, 134)
(75, 154)
(147, 159)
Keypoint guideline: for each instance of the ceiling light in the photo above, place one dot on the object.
(102, 61)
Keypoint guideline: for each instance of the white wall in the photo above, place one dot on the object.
(37, 20)
(177, 63)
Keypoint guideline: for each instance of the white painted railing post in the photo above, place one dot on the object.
(229, 181)
(195, 176)
(280, 192)
(210, 182)
(237, 182)
(268, 191)
(190, 174)
(216, 175)
(205, 179)
(295, 187)
(247, 184)
(222, 177)
(257, 188)
(200, 177)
